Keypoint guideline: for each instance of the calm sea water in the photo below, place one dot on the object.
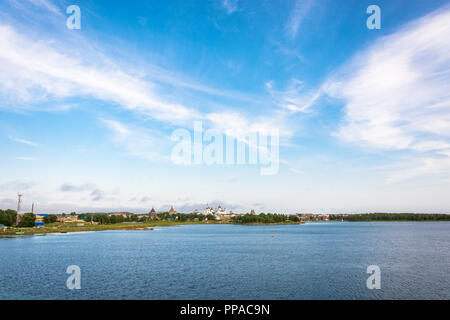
(312, 261)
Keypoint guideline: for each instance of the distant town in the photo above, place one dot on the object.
(16, 222)
(210, 214)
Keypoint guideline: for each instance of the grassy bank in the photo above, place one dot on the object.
(72, 227)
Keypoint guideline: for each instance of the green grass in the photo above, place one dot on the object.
(72, 227)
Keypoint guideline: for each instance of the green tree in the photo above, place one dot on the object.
(8, 217)
(27, 220)
(51, 218)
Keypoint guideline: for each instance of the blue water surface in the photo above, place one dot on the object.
(311, 261)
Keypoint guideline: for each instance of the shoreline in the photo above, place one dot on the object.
(111, 227)
(61, 228)
(151, 225)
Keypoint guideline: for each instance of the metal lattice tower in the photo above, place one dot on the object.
(19, 205)
(19, 202)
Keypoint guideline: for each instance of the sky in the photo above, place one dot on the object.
(362, 116)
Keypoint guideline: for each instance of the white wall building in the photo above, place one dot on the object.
(220, 211)
(208, 210)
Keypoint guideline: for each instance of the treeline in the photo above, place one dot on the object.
(392, 217)
(8, 217)
(264, 218)
(183, 217)
(51, 218)
(104, 218)
(27, 220)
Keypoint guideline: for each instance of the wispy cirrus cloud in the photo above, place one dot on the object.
(139, 142)
(42, 74)
(27, 158)
(295, 98)
(47, 5)
(237, 124)
(35, 71)
(230, 5)
(298, 13)
(438, 168)
(38, 72)
(23, 141)
(397, 93)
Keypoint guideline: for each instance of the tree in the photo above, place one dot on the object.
(51, 218)
(101, 218)
(8, 217)
(261, 218)
(27, 220)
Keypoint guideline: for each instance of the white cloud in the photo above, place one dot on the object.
(41, 72)
(295, 98)
(236, 124)
(34, 71)
(27, 158)
(138, 142)
(397, 92)
(296, 170)
(437, 168)
(301, 9)
(47, 5)
(23, 141)
(230, 5)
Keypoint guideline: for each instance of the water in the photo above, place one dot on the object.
(312, 261)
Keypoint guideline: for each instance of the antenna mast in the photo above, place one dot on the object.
(19, 202)
(19, 205)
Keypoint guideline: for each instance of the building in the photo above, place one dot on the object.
(234, 214)
(40, 217)
(39, 222)
(153, 213)
(307, 217)
(220, 211)
(253, 212)
(314, 217)
(119, 214)
(208, 210)
(69, 219)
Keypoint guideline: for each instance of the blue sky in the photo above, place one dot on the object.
(86, 116)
